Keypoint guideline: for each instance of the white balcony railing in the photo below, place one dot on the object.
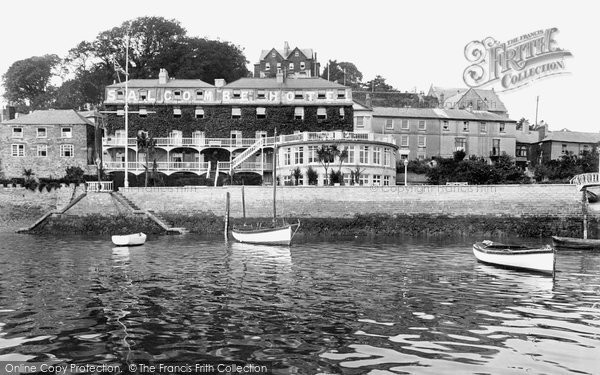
(99, 186)
(161, 166)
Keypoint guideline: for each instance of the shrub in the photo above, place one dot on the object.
(312, 175)
(73, 175)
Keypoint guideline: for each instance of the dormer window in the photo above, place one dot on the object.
(341, 94)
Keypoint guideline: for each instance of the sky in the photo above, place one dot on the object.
(411, 44)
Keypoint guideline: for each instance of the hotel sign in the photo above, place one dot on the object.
(229, 96)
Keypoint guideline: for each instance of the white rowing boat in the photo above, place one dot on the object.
(135, 239)
(278, 235)
(515, 256)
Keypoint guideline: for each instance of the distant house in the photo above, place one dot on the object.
(300, 62)
(463, 98)
(47, 141)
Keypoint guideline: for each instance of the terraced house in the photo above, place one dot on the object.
(423, 133)
(219, 129)
(47, 142)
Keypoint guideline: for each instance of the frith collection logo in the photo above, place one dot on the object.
(515, 63)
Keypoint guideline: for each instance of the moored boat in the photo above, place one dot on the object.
(277, 235)
(576, 243)
(515, 256)
(135, 239)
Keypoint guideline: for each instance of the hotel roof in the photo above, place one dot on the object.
(50, 117)
(572, 137)
(439, 113)
(174, 83)
(288, 83)
(308, 52)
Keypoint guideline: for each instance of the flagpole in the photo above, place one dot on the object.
(126, 182)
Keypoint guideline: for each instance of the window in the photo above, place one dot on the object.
(360, 122)
(465, 126)
(404, 141)
(198, 134)
(460, 144)
(236, 112)
(120, 94)
(321, 113)
(120, 112)
(495, 147)
(321, 94)
(199, 112)
(273, 54)
(482, 127)
(42, 151)
(66, 133)
(261, 112)
(342, 113)
(17, 132)
(363, 179)
(522, 151)
(350, 150)
(389, 123)
(502, 127)
(237, 94)
(143, 112)
(299, 113)
(143, 95)
(386, 157)
(296, 54)
(278, 66)
(564, 148)
(421, 141)
(376, 179)
(66, 151)
(386, 180)
(312, 154)
(404, 125)
(421, 155)
(176, 112)
(376, 155)
(177, 94)
(42, 133)
(422, 125)
(267, 66)
(341, 94)
(298, 94)
(299, 155)
(17, 150)
(287, 156)
(199, 94)
(291, 66)
(347, 179)
(302, 65)
(445, 126)
(363, 154)
(261, 94)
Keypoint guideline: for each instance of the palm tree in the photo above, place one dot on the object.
(146, 145)
(326, 155)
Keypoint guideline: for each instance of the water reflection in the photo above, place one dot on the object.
(410, 306)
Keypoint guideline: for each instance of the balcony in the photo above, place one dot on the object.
(162, 166)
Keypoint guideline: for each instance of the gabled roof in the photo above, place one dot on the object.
(153, 83)
(572, 137)
(439, 113)
(288, 83)
(447, 91)
(358, 106)
(308, 52)
(490, 96)
(454, 95)
(50, 117)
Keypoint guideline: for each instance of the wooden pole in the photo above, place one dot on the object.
(243, 204)
(226, 214)
(585, 204)
(275, 177)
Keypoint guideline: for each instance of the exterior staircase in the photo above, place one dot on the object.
(247, 153)
(157, 218)
(52, 213)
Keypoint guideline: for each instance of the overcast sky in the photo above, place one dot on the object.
(411, 44)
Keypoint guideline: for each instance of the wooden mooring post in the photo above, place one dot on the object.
(226, 215)
(585, 209)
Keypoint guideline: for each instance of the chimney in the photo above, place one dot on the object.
(163, 77)
(368, 101)
(441, 103)
(286, 50)
(279, 76)
(219, 82)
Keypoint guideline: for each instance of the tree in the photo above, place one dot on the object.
(146, 145)
(344, 72)
(326, 155)
(378, 84)
(27, 82)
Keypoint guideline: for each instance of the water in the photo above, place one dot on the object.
(346, 307)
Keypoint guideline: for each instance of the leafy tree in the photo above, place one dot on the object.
(146, 145)
(343, 72)
(378, 84)
(27, 82)
(312, 175)
(296, 174)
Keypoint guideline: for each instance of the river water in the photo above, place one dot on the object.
(413, 305)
